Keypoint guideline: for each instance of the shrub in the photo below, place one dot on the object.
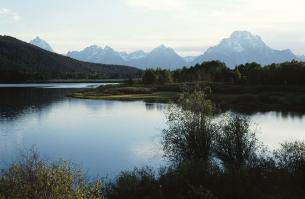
(235, 143)
(190, 131)
(34, 178)
(137, 184)
(291, 156)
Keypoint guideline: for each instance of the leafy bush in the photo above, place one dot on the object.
(190, 131)
(235, 143)
(32, 177)
(139, 183)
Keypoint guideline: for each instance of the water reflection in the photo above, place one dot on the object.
(283, 114)
(104, 137)
(289, 115)
(155, 106)
(16, 101)
(54, 85)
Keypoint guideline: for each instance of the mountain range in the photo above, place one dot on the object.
(161, 56)
(240, 47)
(21, 61)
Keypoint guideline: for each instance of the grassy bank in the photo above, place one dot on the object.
(243, 98)
(127, 92)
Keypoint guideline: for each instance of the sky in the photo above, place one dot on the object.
(188, 26)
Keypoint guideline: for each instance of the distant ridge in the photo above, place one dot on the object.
(161, 56)
(239, 48)
(21, 61)
(96, 54)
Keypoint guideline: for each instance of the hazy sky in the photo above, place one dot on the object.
(189, 26)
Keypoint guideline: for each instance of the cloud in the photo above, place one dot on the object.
(158, 5)
(7, 14)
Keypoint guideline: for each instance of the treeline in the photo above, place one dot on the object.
(287, 73)
(13, 76)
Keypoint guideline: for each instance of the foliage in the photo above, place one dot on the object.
(149, 77)
(291, 156)
(235, 143)
(211, 71)
(157, 76)
(190, 131)
(32, 177)
(286, 73)
(139, 183)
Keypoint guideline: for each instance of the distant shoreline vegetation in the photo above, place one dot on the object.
(248, 87)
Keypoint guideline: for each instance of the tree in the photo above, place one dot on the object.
(190, 131)
(164, 76)
(149, 77)
(235, 143)
(236, 75)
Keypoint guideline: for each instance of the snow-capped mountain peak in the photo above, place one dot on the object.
(108, 48)
(41, 44)
(97, 54)
(242, 47)
(240, 41)
(162, 49)
(189, 59)
(93, 47)
(133, 56)
(302, 57)
(137, 54)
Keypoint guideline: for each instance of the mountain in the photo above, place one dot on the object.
(96, 54)
(242, 47)
(239, 48)
(21, 61)
(41, 44)
(133, 56)
(190, 59)
(302, 57)
(161, 56)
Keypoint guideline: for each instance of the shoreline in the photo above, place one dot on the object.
(69, 81)
(154, 97)
(241, 98)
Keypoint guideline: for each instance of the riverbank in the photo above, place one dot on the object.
(131, 92)
(242, 98)
(70, 81)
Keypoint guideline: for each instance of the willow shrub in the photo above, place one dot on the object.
(34, 178)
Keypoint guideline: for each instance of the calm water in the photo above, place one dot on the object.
(103, 137)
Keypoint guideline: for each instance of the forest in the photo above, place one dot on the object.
(287, 73)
